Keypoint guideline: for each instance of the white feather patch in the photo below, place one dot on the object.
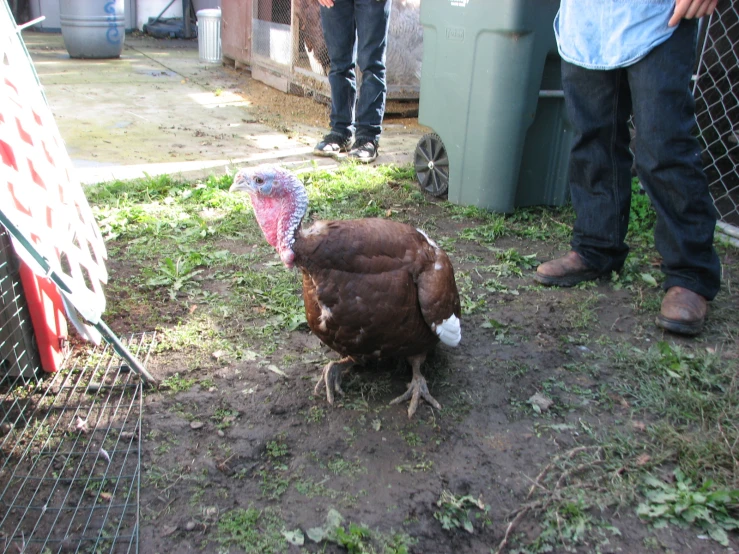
(318, 228)
(449, 331)
(428, 239)
(324, 317)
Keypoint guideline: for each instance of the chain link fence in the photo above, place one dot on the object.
(289, 52)
(717, 111)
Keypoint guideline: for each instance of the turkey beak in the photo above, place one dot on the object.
(242, 183)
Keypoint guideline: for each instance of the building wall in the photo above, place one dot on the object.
(137, 12)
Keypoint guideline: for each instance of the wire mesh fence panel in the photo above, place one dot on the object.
(71, 456)
(18, 352)
(272, 33)
(289, 50)
(404, 50)
(717, 110)
(311, 62)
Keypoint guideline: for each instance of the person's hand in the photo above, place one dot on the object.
(684, 9)
(330, 3)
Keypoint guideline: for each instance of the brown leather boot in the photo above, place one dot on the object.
(567, 271)
(683, 311)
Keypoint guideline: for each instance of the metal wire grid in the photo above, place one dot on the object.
(71, 456)
(271, 31)
(717, 111)
(18, 352)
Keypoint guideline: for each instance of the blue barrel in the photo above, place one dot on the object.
(93, 28)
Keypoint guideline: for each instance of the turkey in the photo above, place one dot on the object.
(373, 288)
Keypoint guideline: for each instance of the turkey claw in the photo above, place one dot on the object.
(417, 389)
(331, 379)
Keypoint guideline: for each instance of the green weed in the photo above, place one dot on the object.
(359, 539)
(224, 417)
(486, 233)
(567, 526)
(273, 484)
(642, 217)
(714, 511)
(177, 383)
(175, 276)
(455, 511)
(254, 531)
(276, 448)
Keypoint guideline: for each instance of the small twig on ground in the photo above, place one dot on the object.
(223, 466)
(534, 484)
(171, 485)
(512, 525)
(559, 222)
(167, 505)
(543, 504)
(577, 469)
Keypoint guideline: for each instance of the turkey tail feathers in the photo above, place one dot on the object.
(450, 331)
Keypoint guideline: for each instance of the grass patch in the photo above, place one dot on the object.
(177, 383)
(254, 531)
(195, 263)
(677, 466)
(696, 391)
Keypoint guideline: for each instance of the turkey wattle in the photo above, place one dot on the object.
(373, 288)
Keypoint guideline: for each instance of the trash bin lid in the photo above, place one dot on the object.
(210, 12)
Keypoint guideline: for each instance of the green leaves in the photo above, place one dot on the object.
(454, 512)
(358, 539)
(175, 275)
(684, 503)
(642, 217)
(486, 233)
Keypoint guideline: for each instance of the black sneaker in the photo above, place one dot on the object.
(333, 144)
(364, 151)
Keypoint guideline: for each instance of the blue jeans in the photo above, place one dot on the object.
(667, 160)
(361, 25)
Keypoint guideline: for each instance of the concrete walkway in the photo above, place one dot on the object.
(158, 110)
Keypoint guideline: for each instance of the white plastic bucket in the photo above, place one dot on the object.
(93, 28)
(209, 35)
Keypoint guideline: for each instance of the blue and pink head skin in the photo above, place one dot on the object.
(280, 202)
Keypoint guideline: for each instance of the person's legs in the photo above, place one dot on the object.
(373, 20)
(668, 163)
(598, 106)
(339, 32)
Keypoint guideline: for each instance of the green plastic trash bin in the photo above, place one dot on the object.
(491, 92)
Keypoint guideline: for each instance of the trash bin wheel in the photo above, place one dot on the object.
(432, 165)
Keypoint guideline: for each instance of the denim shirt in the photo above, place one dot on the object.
(606, 34)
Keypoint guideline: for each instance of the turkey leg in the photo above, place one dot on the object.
(331, 378)
(417, 388)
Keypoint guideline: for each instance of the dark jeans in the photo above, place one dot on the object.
(362, 24)
(667, 159)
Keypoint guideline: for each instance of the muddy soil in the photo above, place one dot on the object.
(486, 441)
(251, 433)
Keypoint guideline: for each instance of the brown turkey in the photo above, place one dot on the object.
(373, 288)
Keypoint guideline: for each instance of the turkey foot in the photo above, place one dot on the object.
(331, 378)
(417, 388)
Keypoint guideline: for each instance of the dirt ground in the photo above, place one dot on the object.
(250, 433)
(486, 442)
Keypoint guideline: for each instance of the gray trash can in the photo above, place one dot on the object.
(491, 92)
(209, 35)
